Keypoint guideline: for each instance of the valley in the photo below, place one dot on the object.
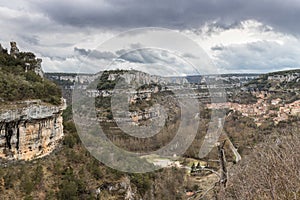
(43, 156)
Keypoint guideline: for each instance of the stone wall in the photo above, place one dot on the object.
(30, 132)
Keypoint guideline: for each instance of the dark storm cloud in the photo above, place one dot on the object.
(171, 13)
(148, 56)
(132, 55)
(217, 48)
(189, 55)
(138, 54)
(95, 54)
(82, 52)
(121, 52)
(34, 40)
(133, 47)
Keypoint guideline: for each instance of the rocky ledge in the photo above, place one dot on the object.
(30, 131)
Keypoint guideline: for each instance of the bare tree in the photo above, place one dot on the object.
(271, 171)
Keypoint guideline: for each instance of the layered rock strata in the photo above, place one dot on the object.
(30, 132)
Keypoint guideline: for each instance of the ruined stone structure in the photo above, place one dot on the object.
(14, 51)
(30, 61)
(30, 132)
(38, 67)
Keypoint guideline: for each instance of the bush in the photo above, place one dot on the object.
(142, 182)
(69, 141)
(71, 138)
(27, 184)
(95, 170)
(68, 190)
(67, 113)
(9, 180)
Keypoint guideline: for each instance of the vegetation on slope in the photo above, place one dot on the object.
(18, 84)
(282, 80)
(72, 173)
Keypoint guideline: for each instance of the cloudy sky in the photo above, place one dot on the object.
(237, 35)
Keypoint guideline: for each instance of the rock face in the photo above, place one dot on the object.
(30, 132)
(138, 77)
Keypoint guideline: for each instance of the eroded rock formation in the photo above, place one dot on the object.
(30, 132)
(14, 49)
(38, 67)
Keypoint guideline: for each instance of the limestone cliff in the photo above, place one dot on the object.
(30, 131)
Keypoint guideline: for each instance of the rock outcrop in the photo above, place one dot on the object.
(25, 59)
(1, 48)
(14, 49)
(30, 131)
(38, 67)
(122, 188)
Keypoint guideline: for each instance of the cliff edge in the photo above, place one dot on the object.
(30, 132)
(31, 106)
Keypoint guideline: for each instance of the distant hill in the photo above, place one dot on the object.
(282, 84)
(276, 81)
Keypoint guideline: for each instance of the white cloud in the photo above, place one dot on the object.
(249, 46)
